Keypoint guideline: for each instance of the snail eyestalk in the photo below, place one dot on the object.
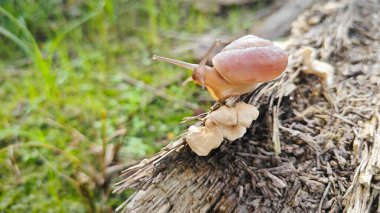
(198, 70)
(176, 62)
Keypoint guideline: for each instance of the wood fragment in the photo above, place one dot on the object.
(303, 137)
(276, 132)
(324, 197)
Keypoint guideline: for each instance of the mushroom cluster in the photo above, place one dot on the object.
(313, 66)
(230, 122)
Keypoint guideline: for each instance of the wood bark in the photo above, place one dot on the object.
(278, 23)
(328, 136)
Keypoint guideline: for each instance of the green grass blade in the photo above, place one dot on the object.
(35, 52)
(22, 27)
(74, 25)
(16, 40)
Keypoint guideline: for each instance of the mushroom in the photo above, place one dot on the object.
(322, 69)
(232, 121)
(232, 132)
(227, 122)
(246, 113)
(224, 115)
(203, 139)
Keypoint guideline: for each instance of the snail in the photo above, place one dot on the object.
(238, 68)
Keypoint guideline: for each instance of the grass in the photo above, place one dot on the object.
(67, 117)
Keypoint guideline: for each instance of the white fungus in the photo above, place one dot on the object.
(228, 122)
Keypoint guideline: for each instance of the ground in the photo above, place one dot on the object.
(64, 93)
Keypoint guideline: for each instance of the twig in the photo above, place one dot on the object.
(104, 142)
(307, 139)
(193, 118)
(323, 197)
(344, 119)
(275, 131)
(263, 157)
(13, 163)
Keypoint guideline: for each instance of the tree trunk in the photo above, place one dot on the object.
(328, 136)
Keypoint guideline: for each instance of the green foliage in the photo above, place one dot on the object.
(67, 116)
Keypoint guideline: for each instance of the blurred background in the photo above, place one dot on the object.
(81, 99)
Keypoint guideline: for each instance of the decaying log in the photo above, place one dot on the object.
(278, 24)
(328, 136)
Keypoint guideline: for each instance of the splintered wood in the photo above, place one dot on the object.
(314, 147)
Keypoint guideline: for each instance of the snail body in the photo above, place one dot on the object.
(239, 67)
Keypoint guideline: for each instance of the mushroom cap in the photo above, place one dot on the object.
(224, 116)
(246, 113)
(307, 54)
(316, 67)
(203, 139)
(211, 124)
(324, 70)
(232, 132)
